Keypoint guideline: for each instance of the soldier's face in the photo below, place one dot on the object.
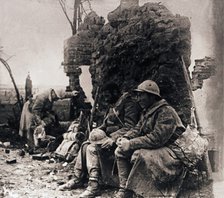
(107, 96)
(145, 100)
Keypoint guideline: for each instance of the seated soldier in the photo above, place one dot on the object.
(147, 145)
(122, 114)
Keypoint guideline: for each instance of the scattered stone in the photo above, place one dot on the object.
(21, 153)
(6, 144)
(65, 164)
(11, 161)
(52, 160)
(7, 151)
(40, 157)
(60, 182)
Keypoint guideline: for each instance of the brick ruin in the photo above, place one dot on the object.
(137, 43)
(203, 69)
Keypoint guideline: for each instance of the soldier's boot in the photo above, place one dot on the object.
(124, 193)
(123, 173)
(92, 190)
(74, 183)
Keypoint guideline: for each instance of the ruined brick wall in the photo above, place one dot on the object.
(78, 49)
(142, 43)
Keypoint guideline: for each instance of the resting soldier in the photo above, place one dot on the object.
(122, 115)
(148, 143)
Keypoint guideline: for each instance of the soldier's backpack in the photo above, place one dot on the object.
(70, 146)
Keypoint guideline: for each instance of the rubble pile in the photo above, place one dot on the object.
(140, 43)
(203, 69)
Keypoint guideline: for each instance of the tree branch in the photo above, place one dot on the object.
(62, 4)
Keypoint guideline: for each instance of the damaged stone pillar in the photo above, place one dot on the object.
(78, 49)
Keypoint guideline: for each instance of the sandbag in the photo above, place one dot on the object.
(192, 146)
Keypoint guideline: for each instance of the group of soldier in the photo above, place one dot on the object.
(137, 133)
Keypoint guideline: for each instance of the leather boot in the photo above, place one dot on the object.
(123, 171)
(123, 193)
(73, 183)
(91, 191)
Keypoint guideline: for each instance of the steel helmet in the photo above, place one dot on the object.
(149, 86)
(97, 136)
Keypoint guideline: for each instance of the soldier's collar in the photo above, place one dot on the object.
(155, 106)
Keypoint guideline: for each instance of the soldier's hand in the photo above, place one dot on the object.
(123, 144)
(75, 93)
(108, 143)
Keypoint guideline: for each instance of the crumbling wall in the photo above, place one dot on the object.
(203, 69)
(142, 43)
(78, 49)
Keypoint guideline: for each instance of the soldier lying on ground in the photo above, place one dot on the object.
(147, 145)
(122, 114)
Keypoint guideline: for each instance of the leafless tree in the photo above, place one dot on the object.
(78, 11)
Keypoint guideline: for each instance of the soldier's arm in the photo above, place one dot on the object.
(38, 105)
(131, 114)
(164, 127)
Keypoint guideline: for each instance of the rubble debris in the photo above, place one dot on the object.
(21, 153)
(203, 69)
(11, 161)
(40, 157)
(7, 151)
(65, 164)
(6, 144)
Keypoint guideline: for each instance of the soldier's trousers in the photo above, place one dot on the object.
(87, 160)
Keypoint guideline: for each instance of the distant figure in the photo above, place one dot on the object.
(37, 111)
(28, 87)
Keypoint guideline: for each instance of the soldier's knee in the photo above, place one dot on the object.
(91, 148)
(137, 155)
(119, 153)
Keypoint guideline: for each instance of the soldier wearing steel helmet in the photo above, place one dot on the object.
(123, 114)
(147, 145)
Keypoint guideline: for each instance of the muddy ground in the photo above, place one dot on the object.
(29, 178)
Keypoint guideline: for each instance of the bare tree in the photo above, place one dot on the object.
(78, 10)
(4, 62)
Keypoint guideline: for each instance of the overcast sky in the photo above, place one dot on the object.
(33, 31)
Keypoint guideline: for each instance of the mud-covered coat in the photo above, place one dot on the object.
(34, 110)
(155, 127)
(41, 104)
(155, 164)
(122, 117)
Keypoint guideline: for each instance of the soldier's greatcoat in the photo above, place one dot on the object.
(156, 169)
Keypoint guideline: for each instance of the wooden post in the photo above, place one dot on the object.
(205, 159)
(188, 81)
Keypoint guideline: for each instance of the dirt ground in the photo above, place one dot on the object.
(29, 178)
